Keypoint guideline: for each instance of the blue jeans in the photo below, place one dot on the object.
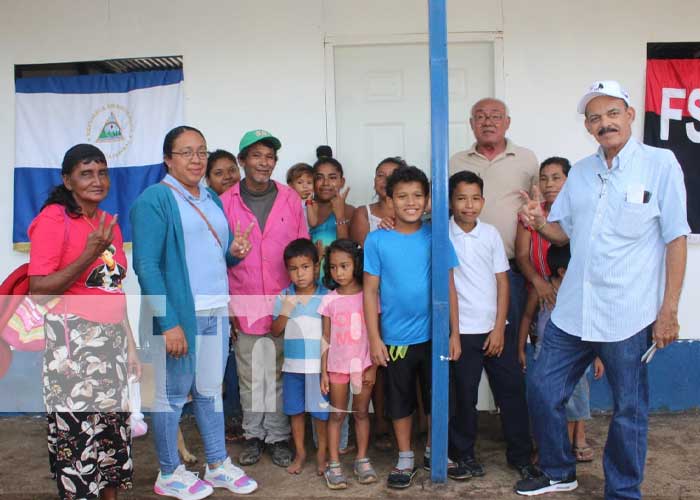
(560, 365)
(175, 381)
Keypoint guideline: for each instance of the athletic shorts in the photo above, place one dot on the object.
(407, 364)
(301, 393)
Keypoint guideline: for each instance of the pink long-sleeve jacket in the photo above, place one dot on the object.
(258, 279)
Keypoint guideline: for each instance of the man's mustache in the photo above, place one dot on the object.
(605, 130)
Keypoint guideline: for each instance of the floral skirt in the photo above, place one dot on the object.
(89, 452)
(86, 395)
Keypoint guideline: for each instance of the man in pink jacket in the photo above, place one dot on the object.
(276, 214)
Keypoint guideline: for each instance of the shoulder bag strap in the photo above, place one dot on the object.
(196, 209)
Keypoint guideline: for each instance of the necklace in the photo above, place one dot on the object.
(88, 221)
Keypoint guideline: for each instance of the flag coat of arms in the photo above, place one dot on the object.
(126, 115)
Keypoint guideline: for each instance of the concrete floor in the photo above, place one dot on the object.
(672, 471)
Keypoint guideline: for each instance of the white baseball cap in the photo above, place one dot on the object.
(611, 88)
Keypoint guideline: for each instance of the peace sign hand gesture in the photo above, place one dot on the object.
(240, 247)
(531, 212)
(338, 203)
(99, 239)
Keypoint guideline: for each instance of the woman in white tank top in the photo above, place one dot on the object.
(367, 220)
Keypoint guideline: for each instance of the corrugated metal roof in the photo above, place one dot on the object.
(98, 67)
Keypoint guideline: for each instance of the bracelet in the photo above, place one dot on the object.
(342, 222)
(539, 228)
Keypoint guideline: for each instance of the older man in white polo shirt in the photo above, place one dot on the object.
(623, 210)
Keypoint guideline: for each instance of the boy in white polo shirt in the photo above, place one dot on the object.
(482, 289)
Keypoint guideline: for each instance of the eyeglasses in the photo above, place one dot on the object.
(482, 117)
(188, 155)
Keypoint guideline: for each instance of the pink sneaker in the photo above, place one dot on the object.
(230, 477)
(182, 484)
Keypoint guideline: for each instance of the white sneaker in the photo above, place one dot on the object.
(230, 477)
(182, 484)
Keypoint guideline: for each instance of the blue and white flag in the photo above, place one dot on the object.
(126, 115)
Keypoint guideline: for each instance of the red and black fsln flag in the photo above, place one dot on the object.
(672, 112)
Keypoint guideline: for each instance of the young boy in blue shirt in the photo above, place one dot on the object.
(486, 343)
(397, 268)
(296, 315)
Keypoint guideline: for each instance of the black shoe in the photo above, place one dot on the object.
(542, 484)
(527, 471)
(426, 462)
(401, 478)
(458, 471)
(281, 453)
(474, 467)
(252, 451)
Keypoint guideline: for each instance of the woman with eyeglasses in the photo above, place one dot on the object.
(182, 246)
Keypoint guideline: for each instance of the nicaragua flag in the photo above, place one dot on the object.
(126, 115)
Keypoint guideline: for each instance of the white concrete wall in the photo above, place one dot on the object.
(260, 63)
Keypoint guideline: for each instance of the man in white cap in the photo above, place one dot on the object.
(623, 211)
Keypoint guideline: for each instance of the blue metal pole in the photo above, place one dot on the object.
(439, 155)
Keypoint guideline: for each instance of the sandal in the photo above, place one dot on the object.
(364, 471)
(335, 479)
(583, 453)
(401, 478)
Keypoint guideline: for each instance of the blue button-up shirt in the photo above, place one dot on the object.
(206, 262)
(619, 221)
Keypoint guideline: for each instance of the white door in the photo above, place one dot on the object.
(382, 104)
(382, 108)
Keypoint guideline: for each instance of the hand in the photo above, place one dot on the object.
(546, 293)
(531, 212)
(235, 327)
(666, 327)
(379, 353)
(598, 369)
(386, 223)
(522, 359)
(325, 383)
(175, 342)
(338, 203)
(455, 347)
(99, 239)
(369, 377)
(494, 343)
(289, 302)
(133, 363)
(240, 247)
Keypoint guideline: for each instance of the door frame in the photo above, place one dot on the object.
(331, 42)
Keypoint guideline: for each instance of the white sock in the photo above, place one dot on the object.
(406, 460)
(427, 452)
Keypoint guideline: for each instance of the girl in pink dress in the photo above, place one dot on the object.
(346, 361)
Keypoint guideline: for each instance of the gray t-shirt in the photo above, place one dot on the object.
(260, 203)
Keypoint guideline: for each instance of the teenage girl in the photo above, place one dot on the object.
(331, 212)
(346, 362)
(366, 219)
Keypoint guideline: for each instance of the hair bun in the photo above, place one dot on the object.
(324, 151)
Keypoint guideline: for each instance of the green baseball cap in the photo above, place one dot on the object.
(253, 136)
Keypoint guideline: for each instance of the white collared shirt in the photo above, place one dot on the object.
(619, 221)
(481, 255)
